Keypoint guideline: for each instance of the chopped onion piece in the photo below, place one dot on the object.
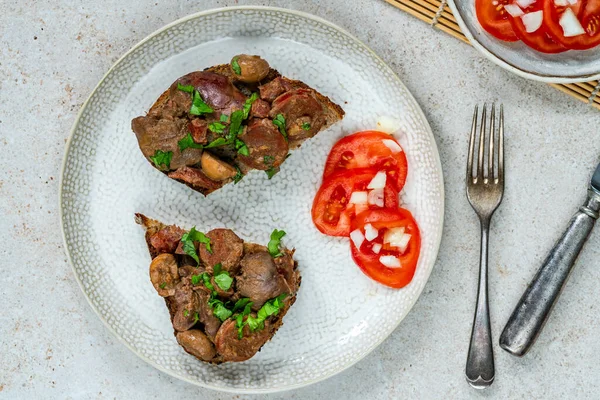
(392, 145)
(390, 261)
(533, 21)
(375, 197)
(357, 238)
(378, 181)
(570, 24)
(388, 124)
(403, 243)
(514, 10)
(525, 3)
(561, 3)
(393, 236)
(376, 248)
(370, 232)
(358, 198)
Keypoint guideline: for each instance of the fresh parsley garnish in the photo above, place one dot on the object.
(235, 66)
(196, 279)
(279, 122)
(241, 147)
(216, 127)
(235, 125)
(219, 309)
(186, 313)
(188, 240)
(248, 104)
(163, 285)
(268, 159)
(238, 177)
(306, 126)
(271, 307)
(188, 143)
(241, 304)
(224, 118)
(274, 243)
(186, 88)
(161, 158)
(271, 172)
(196, 317)
(217, 142)
(222, 278)
(199, 107)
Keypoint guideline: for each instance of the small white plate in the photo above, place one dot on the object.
(568, 67)
(340, 315)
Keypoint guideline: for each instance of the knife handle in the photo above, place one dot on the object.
(533, 309)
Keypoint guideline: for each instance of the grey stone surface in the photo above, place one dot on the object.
(53, 346)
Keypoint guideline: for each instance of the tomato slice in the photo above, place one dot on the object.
(367, 150)
(539, 40)
(495, 20)
(591, 38)
(369, 260)
(331, 210)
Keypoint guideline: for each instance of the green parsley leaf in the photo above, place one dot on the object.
(239, 323)
(254, 323)
(235, 66)
(196, 317)
(186, 313)
(271, 172)
(275, 242)
(248, 104)
(268, 159)
(201, 238)
(216, 127)
(161, 158)
(199, 107)
(223, 280)
(306, 126)
(238, 177)
(224, 118)
(279, 122)
(235, 125)
(217, 142)
(241, 147)
(220, 311)
(189, 248)
(206, 278)
(186, 88)
(217, 269)
(188, 142)
(196, 279)
(163, 285)
(241, 304)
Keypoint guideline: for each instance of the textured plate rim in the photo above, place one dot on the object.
(557, 79)
(421, 115)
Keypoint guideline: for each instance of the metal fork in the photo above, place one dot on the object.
(484, 191)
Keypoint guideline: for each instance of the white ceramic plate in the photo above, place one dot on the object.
(340, 315)
(567, 67)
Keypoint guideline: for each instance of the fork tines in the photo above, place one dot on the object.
(494, 173)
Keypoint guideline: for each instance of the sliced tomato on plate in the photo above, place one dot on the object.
(369, 149)
(495, 20)
(588, 15)
(389, 265)
(332, 211)
(539, 39)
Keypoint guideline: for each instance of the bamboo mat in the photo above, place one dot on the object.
(438, 14)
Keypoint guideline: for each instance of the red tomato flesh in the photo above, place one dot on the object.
(539, 40)
(331, 211)
(368, 260)
(367, 150)
(552, 14)
(495, 20)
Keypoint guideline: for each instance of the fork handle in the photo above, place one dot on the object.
(533, 309)
(480, 360)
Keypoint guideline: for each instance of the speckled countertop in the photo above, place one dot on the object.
(52, 345)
